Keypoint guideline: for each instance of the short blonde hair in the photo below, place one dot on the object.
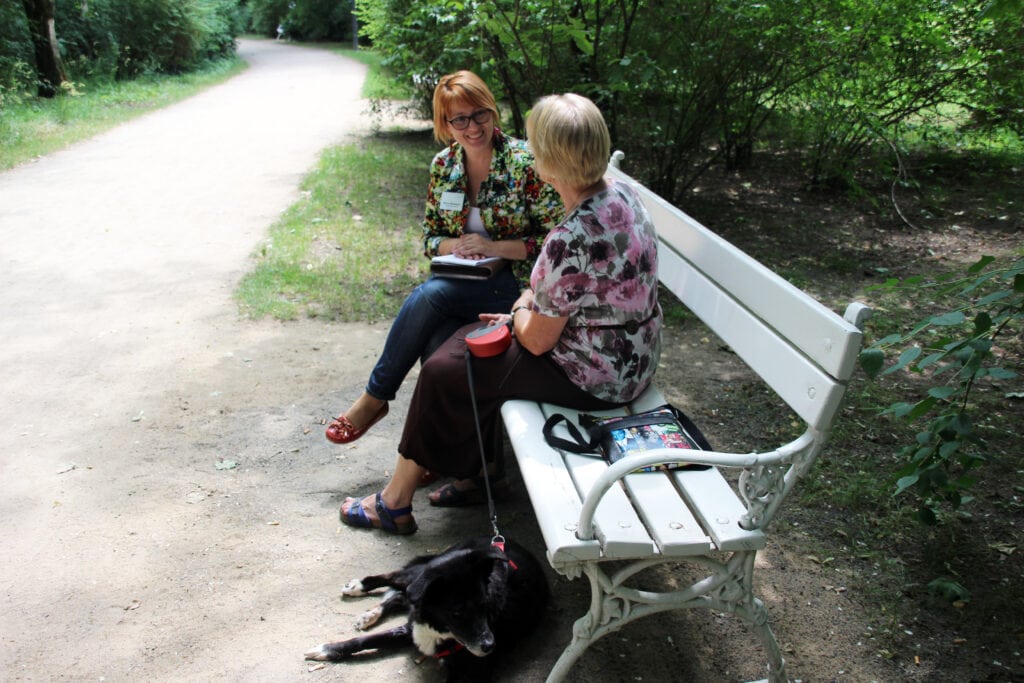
(454, 89)
(569, 139)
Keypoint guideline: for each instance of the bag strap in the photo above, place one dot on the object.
(578, 445)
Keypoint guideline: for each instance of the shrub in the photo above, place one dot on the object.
(16, 57)
(959, 352)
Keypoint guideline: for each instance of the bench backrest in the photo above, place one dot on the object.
(803, 350)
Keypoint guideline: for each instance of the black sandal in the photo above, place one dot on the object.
(450, 497)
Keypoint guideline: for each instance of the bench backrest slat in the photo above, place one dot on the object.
(823, 336)
(809, 391)
(803, 350)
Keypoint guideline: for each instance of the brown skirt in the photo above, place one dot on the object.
(440, 433)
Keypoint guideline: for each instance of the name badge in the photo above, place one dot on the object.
(452, 201)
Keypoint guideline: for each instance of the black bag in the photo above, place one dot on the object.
(617, 437)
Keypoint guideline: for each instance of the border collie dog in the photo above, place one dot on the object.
(465, 607)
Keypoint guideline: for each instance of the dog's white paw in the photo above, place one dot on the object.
(317, 654)
(353, 588)
(368, 618)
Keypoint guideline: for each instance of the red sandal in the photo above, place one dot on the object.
(342, 431)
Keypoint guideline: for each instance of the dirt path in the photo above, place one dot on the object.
(168, 499)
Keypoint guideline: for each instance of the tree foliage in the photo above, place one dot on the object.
(998, 98)
(309, 20)
(889, 63)
(687, 84)
(117, 38)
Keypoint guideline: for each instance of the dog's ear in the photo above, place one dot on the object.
(497, 580)
(445, 565)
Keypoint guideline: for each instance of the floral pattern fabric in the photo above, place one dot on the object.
(599, 269)
(514, 202)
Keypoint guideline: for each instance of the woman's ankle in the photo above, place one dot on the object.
(364, 409)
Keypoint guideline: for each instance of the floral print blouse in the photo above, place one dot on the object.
(514, 202)
(599, 268)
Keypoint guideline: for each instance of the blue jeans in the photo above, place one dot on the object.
(431, 313)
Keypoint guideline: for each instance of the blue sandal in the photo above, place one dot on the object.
(356, 516)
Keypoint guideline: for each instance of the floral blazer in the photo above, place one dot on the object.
(599, 269)
(514, 202)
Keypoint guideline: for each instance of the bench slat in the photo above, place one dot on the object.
(556, 503)
(617, 525)
(718, 508)
(652, 519)
(675, 529)
(622, 532)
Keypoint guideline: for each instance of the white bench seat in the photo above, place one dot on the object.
(610, 522)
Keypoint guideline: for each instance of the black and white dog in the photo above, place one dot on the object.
(465, 607)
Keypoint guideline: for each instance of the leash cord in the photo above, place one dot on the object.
(480, 441)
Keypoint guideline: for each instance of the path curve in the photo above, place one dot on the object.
(127, 376)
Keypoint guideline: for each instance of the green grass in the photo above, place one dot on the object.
(378, 86)
(350, 248)
(31, 127)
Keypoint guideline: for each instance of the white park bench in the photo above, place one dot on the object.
(609, 524)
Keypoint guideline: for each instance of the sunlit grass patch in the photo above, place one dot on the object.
(350, 249)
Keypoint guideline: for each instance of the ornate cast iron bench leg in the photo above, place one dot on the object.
(727, 588)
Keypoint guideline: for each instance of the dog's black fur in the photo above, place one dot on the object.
(466, 606)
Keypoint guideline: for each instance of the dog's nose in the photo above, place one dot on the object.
(487, 644)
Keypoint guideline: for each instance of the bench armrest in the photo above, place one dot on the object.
(760, 475)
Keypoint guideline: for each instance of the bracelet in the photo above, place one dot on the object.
(519, 308)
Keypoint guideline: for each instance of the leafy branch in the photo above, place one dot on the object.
(957, 351)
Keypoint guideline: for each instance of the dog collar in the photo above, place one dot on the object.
(499, 543)
(450, 651)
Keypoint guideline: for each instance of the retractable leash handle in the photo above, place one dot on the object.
(489, 340)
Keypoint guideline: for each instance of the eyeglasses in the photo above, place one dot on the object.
(479, 117)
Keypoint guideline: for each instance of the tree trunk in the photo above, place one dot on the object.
(49, 68)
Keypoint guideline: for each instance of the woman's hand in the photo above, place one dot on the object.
(495, 318)
(536, 333)
(474, 246)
